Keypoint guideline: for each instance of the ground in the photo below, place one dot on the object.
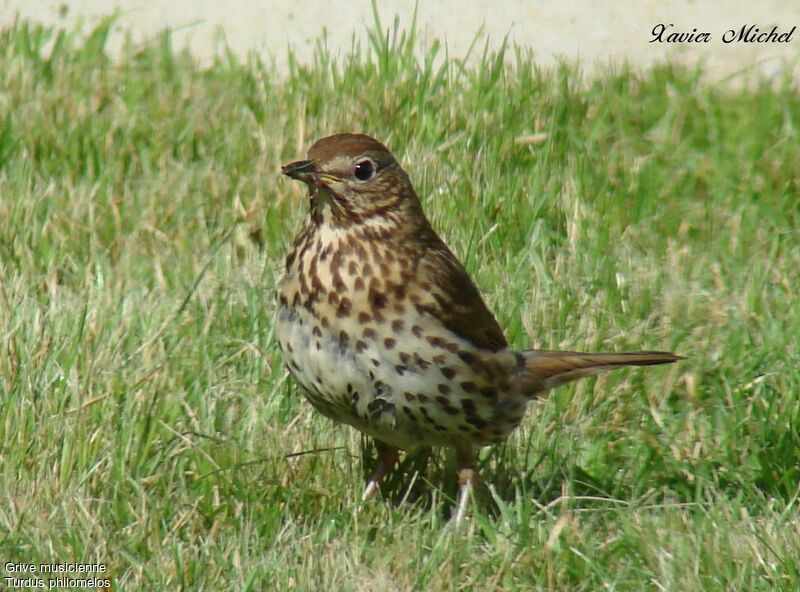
(590, 32)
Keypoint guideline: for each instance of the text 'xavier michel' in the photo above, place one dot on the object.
(745, 34)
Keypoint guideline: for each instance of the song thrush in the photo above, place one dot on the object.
(382, 328)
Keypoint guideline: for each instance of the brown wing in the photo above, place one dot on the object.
(446, 292)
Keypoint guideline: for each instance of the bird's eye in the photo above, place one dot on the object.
(364, 170)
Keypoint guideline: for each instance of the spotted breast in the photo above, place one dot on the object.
(355, 329)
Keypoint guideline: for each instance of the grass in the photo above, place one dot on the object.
(146, 422)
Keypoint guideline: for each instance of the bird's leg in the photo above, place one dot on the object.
(387, 459)
(468, 479)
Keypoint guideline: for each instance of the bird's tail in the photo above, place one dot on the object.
(554, 368)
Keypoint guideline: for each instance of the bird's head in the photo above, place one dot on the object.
(354, 179)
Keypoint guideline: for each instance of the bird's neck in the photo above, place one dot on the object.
(394, 222)
(384, 229)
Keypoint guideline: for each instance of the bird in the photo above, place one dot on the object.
(383, 329)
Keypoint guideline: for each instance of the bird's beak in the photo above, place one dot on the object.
(302, 170)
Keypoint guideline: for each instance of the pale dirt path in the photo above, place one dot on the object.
(594, 32)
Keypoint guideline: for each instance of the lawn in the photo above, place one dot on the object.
(147, 423)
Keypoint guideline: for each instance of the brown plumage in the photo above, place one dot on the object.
(383, 329)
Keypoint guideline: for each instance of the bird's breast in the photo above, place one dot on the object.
(365, 353)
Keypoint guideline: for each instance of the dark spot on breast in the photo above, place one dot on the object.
(443, 401)
(312, 267)
(359, 284)
(389, 343)
(338, 283)
(421, 362)
(469, 386)
(417, 330)
(450, 410)
(345, 308)
(364, 318)
(319, 289)
(489, 392)
(301, 279)
(409, 396)
(358, 247)
(348, 243)
(423, 398)
(360, 345)
(400, 369)
(352, 268)
(336, 262)
(318, 346)
(369, 333)
(440, 359)
(397, 325)
(283, 300)
(366, 270)
(316, 332)
(467, 357)
(376, 363)
(447, 372)
(304, 248)
(468, 405)
(399, 308)
(377, 299)
(333, 298)
(444, 389)
(344, 339)
(324, 322)
(436, 341)
(404, 357)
